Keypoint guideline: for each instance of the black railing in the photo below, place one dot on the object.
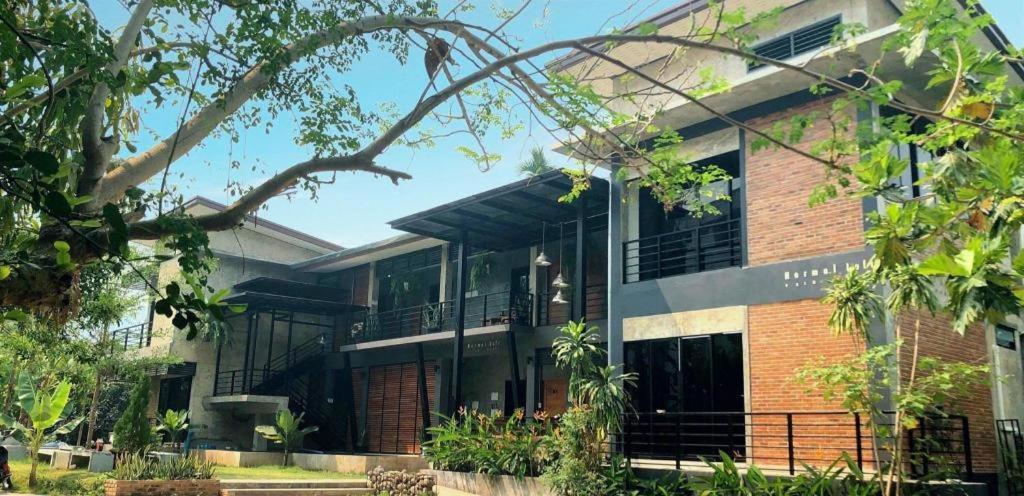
(711, 246)
(787, 441)
(133, 337)
(498, 308)
(244, 381)
(596, 305)
(1011, 450)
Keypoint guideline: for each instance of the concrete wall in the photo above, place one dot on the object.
(331, 463)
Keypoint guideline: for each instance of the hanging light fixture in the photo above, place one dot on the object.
(559, 299)
(542, 259)
(559, 282)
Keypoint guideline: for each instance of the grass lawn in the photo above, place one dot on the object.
(80, 482)
(52, 481)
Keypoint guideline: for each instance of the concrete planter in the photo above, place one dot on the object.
(331, 463)
(456, 483)
(206, 487)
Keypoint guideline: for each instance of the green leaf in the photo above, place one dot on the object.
(5, 272)
(42, 161)
(942, 264)
(647, 29)
(61, 246)
(24, 84)
(56, 204)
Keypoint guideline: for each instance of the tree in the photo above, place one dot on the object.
(537, 164)
(174, 424)
(131, 432)
(287, 432)
(44, 411)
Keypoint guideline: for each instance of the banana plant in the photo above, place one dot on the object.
(173, 423)
(286, 432)
(44, 412)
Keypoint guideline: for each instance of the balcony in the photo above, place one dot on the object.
(595, 306)
(499, 308)
(132, 337)
(711, 246)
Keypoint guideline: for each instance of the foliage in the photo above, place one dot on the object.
(45, 413)
(138, 466)
(287, 432)
(600, 388)
(174, 424)
(132, 433)
(537, 164)
(490, 444)
(58, 482)
(841, 478)
(576, 470)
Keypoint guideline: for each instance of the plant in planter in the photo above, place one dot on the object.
(137, 475)
(173, 423)
(287, 432)
(479, 270)
(44, 411)
(132, 432)
(432, 317)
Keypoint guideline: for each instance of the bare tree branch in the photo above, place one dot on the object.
(96, 151)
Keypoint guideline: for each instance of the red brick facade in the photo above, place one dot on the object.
(939, 340)
(780, 223)
(782, 338)
(161, 487)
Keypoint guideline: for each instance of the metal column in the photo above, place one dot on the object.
(513, 364)
(579, 301)
(423, 397)
(460, 324)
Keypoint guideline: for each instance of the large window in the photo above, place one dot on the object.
(677, 241)
(688, 396)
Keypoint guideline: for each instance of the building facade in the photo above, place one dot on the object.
(714, 313)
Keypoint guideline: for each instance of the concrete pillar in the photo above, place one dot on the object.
(616, 352)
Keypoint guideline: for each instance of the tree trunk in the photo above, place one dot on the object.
(94, 406)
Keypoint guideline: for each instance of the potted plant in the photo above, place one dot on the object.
(286, 432)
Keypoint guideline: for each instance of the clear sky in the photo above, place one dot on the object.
(355, 209)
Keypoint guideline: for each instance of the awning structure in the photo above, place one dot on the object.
(282, 294)
(511, 216)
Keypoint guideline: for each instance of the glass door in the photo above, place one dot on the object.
(688, 397)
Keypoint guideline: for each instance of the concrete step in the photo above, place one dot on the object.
(298, 491)
(292, 484)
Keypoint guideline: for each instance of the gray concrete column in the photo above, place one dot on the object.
(615, 211)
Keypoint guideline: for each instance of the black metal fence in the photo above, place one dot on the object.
(244, 381)
(502, 307)
(711, 246)
(787, 441)
(1011, 451)
(549, 313)
(133, 337)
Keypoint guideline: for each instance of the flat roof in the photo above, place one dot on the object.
(509, 216)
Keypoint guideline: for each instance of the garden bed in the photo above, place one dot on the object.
(489, 485)
(207, 487)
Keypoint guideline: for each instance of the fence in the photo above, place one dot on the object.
(789, 440)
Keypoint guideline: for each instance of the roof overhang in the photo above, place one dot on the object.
(359, 255)
(510, 216)
(281, 294)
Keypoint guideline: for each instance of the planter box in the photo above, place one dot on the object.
(208, 487)
(488, 485)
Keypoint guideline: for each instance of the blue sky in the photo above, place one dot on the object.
(356, 208)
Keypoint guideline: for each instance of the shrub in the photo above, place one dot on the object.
(132, 433)
(135, 466)
(576, 469)
(490, 444)
(394, 483)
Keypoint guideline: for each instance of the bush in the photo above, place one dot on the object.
(490, 444)
(576, 469)
(393, 483)
(137, 467)
(132, 433)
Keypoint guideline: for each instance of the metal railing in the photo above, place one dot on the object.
(596, 305)
(787, 441)
(1011, 450)
(503, 307)
(711, 246)
(133, 337)
(244, 381)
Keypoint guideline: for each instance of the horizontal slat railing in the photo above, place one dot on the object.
(707, 247)
(787, 441)
(498, 308)
(549, 313)
(133, 337)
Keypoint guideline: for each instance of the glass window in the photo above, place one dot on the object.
(1006, 337)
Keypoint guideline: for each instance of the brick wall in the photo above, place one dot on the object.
(783, 337)
(939, 340)
(780, 224)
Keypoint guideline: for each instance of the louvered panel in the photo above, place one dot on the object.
(394, 418)
(803, 40)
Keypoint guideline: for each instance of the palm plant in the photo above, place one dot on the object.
(44, 411)
(287, 432)
(537, 164)
(173, 423)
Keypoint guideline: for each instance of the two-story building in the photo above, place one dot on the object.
(713, 313)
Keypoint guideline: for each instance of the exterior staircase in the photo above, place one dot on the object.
(339, 487)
